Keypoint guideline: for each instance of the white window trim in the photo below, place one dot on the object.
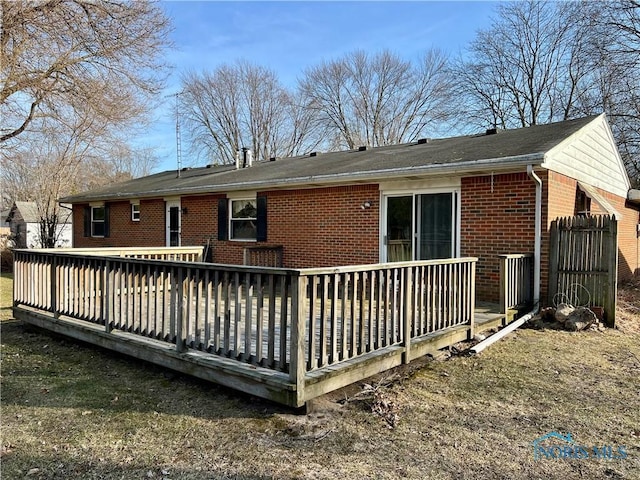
(231, 219)
(93, 207)
(133, 205)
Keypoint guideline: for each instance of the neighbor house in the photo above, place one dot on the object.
(477, 196)
(23, 220)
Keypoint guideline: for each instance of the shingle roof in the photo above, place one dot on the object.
(465, 153)
(29, 213)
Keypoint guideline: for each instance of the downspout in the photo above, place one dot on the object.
(536, 271)
(538, 232)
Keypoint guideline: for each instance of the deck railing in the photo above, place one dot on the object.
(291, 321)
(516, 281)
(180, 254)
(263, 256)
(359, 309)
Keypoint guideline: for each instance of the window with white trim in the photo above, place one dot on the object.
(135, 212)
(243, 215)
(97, 221)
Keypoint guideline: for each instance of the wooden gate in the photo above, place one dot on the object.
(583, 263)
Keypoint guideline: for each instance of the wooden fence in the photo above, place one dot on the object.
(583, 263)
(296, 322)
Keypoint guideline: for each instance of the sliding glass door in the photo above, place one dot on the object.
(421, 226)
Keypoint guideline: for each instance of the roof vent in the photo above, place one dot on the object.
(247, 157)
(184, 169)
(362, 148)
(422, 141)
(273, 159)
(492, 131)
(314, 154)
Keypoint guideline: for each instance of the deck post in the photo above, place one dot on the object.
(181, 310)
(108, 287)
(504, 284)
(472, 299)
(54, 286)
(611, 262)
(297, 363)
(407, 313)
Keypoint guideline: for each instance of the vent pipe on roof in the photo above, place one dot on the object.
(362, 148)
(492, 131)
(314, 154)
(422, 141)
(237, 159)
(247, 157)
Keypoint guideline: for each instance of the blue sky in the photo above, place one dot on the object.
(289, 37)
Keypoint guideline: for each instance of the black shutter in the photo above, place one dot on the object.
(106, 220)
(222, 219)
(87, 221)
(261, 227)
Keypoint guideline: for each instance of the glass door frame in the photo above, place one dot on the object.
(169, 204)
(415, 227)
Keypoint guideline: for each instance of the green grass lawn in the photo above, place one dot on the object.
(72, 411)
(6, 295)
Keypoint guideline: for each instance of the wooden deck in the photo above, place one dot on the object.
(285, 335)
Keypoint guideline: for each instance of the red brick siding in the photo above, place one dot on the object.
(148, 232)
(628, 237)
(318, 227)
(497, 217)
(199, 220)
(327, 226)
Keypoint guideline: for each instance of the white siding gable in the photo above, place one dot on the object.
(591, 156)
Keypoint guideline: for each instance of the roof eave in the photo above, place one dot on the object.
(472, 166)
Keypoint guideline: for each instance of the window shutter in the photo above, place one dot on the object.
(261, 219)
(106, 220)
(222, 219)
(87, 221)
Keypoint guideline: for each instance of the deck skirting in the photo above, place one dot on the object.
(254, 380)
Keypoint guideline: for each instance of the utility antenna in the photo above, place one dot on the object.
(178, 136)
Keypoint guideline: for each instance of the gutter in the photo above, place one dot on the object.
(536, 272)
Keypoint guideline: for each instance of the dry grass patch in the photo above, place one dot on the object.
(72, 411)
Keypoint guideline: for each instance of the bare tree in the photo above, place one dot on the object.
(548, 61)
(61, 57)
(56, 162)
(617, 32)
(243, 105)
(524, 69)
(74, 74)
(378, 99)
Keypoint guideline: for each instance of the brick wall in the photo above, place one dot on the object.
(497, 217)
(148, 232)
(200, 221)
(628, 237)
(317, 227)
(327, 226)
